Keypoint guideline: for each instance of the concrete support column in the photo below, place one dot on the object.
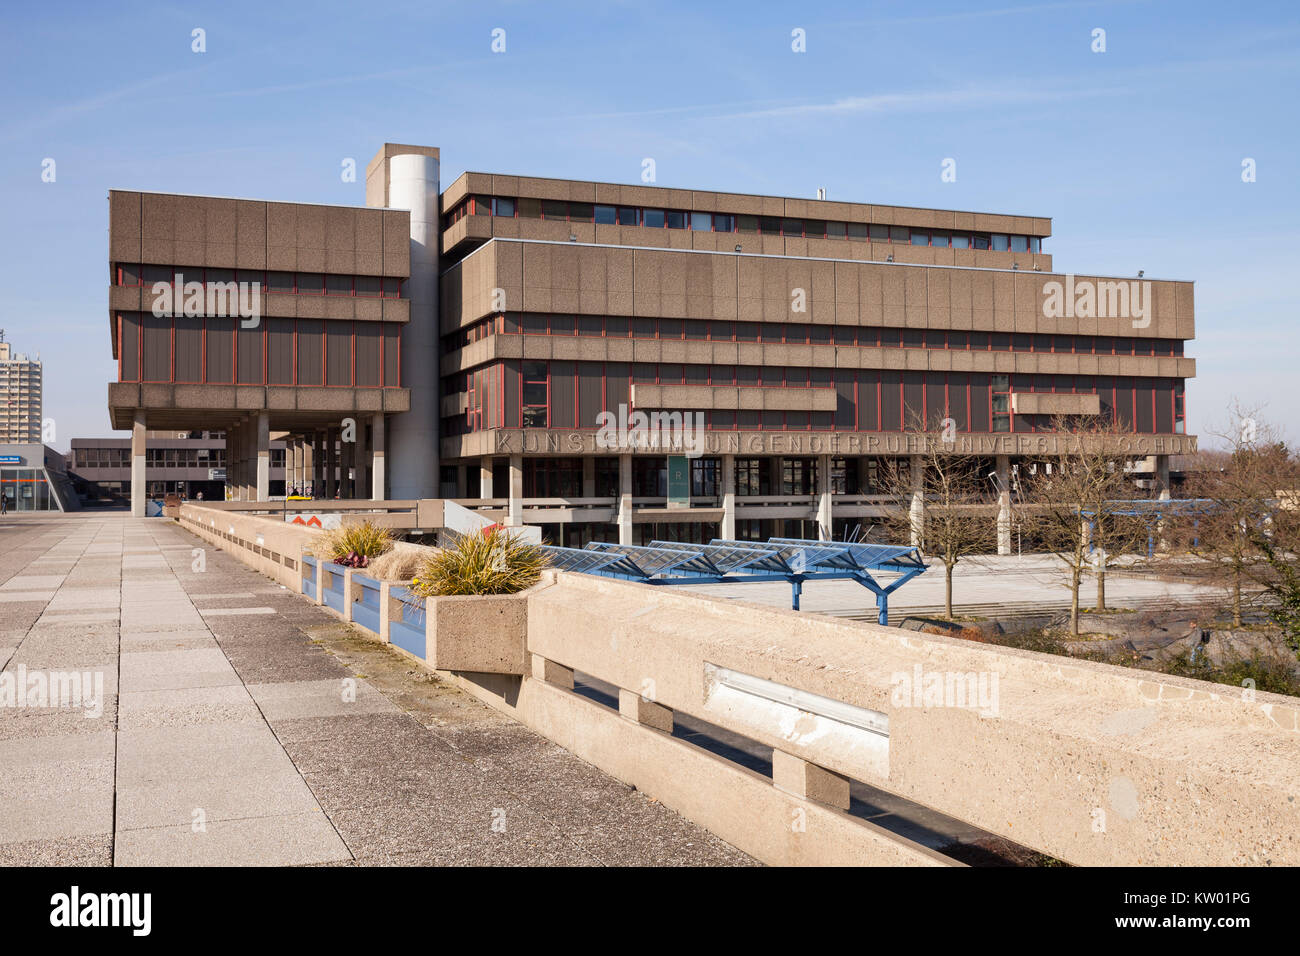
(809, 781)
(139, 478)
(778, 476)
(318, 464)
(378, 479)
(515, 511)
(360, 459)
(331, 462)
(646, 712)
(551, 672)
(237, 452)
(347, 455)
(864, 476)
(229, 459)
(263, 438)
(1004, 504)
(624, 499)
(916, 516)
(1161, 476)
(588, 477)
(825, 527)
(250, 458)
(485, 478)
(728, 531)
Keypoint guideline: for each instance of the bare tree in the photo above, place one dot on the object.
(1237, 491)
(941, 503)
(1074, 504)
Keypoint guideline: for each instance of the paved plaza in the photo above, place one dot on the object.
(985, 586)
(237, 724)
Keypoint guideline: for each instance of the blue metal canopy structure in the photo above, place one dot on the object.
(1152, 511)
(793, 560)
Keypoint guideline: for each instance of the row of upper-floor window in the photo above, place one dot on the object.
(277, 351)
(98, 457)
(286, 283)
(652, 218)
(800, 333)
(569, 394)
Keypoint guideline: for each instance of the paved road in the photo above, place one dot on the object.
(237, 724)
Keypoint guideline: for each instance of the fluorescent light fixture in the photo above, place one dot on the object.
(837, 710)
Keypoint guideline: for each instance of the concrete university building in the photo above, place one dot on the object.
(621, 362)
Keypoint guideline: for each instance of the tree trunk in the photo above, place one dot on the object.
(1236, 597)
(1101, 586)
(948, 591)
(1074, 602)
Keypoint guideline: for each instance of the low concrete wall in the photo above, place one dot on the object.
(1093, 764)
(270, 545)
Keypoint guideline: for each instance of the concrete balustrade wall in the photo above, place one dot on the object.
(1090, 763)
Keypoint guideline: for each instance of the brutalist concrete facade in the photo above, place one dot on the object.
(490, 330)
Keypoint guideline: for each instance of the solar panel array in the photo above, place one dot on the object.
(734, 560)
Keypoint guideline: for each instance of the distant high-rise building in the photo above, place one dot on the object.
(20, 387)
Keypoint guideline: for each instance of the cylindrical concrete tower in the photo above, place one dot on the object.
(413, 456)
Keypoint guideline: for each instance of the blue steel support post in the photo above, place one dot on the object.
(882, 604)
(796, 588)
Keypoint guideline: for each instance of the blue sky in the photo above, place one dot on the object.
(1135, 153)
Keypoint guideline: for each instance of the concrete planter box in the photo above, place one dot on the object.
(487, 635)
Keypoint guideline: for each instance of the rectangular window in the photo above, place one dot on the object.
(534, 395)
(310, 351)
(960, 241)
(792, 227)
(606, 215)
(981, 241)
(128, 346)
(157, 349)
(338, 353)
(279, 351)
(249, 342)
(1019, 244)
(530, 208)
(898, 234)
(652, 218)
(835, 230)
(220, 350)
(580, 212)
(189, 349)
(555, 209)
(920, 237)
(368, 337)
(723, 223)
(502, 206)
(701, 222)
(627, 215)
(392, 353)
(676, 220)
(999, 243)
(747, 224)
(338, 285)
